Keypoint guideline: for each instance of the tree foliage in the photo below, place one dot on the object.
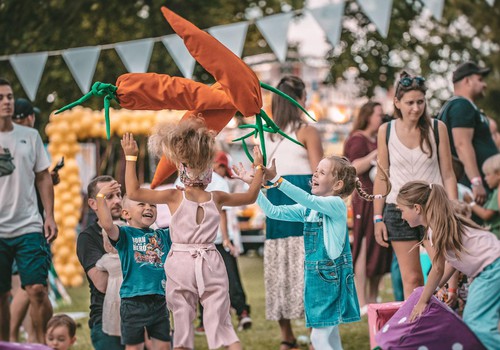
(469, 30)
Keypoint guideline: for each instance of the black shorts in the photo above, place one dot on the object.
(397, 228)
(145, 311)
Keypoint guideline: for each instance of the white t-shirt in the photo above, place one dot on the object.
(18, 203)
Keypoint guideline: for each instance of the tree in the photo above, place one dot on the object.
(469, 30)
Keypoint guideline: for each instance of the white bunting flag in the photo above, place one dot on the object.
(491, 2)
(275, 30)
(379, 12)
(135, 54)
(180, 54)
(82, 62)
(435, 7)
(231, 36)
(329, 18)
(29, 68)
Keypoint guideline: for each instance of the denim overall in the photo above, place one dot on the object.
(329, 296)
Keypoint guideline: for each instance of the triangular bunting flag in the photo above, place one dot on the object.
(275, 30)
(231, 35)
(82, 62)
(329, 18)
(135, 54)
(29, 68)
(491, 2)
(180, 54)
(435, 7)
(379, 12)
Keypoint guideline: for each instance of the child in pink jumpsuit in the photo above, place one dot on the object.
(194, 268)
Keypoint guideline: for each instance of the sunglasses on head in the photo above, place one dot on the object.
(408, 81)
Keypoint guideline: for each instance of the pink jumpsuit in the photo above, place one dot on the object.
(195, 270)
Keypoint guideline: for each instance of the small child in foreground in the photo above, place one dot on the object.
(61, 332)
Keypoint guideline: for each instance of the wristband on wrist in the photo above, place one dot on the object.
(377, 218)
(274, 179)
(100, 195)
(276, 183)
(452, 290)
(471, 204)
(131, 158)
(259, 166)
(476, 181)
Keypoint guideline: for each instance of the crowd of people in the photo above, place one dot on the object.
(411, 181)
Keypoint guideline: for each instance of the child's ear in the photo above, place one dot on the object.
(418, 208)
(125, 214)
(338, 186)
(73, 340)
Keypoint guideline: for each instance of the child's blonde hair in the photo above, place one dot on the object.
(62, 320)
(343, 170)
(189, 143)
(440, 213)
(492, 165)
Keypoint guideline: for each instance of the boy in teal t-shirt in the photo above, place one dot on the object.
(490, 211)
(142, 252)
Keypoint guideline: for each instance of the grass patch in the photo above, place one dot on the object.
(264, 335)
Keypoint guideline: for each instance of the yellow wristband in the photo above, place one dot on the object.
(260, 166)
(131, 158)
(100, 195)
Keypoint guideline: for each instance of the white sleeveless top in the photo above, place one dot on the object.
(291, 159)
(407, 164)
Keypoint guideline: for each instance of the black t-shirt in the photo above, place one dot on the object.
(90, 248)
(462, 113)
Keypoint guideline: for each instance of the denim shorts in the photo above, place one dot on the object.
(145, 311)
(397, 228)
(32, 254)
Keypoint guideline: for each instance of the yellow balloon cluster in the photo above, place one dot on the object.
(64, 131)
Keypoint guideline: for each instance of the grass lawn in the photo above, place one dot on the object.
(262, 336)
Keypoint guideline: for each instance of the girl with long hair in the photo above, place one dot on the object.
(466, 247)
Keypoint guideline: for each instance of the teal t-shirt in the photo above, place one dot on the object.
(492, 204)
(142, 255)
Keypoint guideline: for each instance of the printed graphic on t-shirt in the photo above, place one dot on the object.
(148, 249)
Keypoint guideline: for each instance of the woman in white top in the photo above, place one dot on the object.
(409, 151)
(465, 246)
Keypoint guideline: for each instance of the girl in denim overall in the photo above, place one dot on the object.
(330, 295)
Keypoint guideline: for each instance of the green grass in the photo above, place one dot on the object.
(263, 335)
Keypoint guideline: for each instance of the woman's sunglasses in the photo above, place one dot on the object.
(408, 81)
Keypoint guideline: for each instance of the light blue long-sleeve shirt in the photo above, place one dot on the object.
(333, 209)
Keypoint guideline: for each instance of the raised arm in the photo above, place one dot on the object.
(133, 189)
(293, 213)
(103, 212)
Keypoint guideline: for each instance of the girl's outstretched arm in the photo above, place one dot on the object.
(330, 205)
(133, 189)
(433, 280)
(249, 197)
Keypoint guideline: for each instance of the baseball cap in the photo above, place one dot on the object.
(221, 158)
(22, 108)
(468, 68)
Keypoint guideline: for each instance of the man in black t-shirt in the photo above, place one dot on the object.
(90, 249)
(468, 128)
